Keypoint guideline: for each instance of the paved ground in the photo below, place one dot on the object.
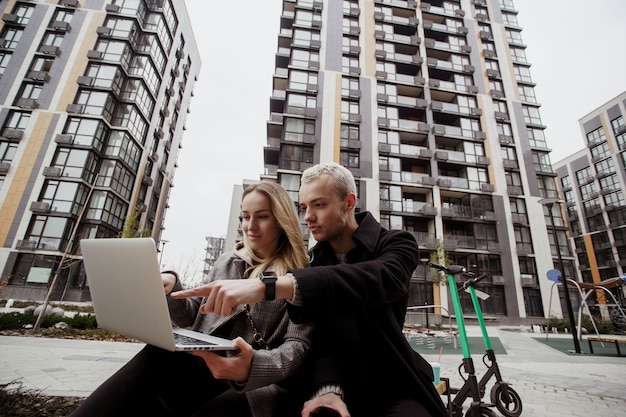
(550, 383)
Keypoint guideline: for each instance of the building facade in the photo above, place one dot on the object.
(432, 106)
(592, 182)
(93, 101)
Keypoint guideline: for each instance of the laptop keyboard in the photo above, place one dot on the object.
(186, 340)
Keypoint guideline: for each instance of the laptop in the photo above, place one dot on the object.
(128, 297)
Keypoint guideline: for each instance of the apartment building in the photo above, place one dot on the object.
(592, 181)
(431, 105)
(93, 101)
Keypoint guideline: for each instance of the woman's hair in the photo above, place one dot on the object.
(342, 178)
(291, 252)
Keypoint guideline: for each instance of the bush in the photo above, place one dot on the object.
(12, 321)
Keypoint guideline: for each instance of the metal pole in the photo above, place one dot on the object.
(568, 301)
(163, 242)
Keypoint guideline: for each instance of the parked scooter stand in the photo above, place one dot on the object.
(470, 387)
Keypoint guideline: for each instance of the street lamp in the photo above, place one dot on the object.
(549, 202)
(163, 242)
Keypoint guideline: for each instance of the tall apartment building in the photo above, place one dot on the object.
(93, 101)
(432, 106)
(593, 181)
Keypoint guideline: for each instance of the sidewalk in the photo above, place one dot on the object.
(550, 383)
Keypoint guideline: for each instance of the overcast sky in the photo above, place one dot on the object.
(578, 58)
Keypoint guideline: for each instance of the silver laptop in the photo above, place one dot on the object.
(128, 297)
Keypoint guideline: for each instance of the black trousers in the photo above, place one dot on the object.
(159, 383)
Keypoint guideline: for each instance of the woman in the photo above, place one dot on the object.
(271, 348)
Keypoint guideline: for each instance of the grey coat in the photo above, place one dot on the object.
(288, 343)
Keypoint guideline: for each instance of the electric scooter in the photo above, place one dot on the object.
(506, 399)
(470, 387)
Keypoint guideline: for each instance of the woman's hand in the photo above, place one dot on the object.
(234, 368)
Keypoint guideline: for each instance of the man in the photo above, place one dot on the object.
(356, 293)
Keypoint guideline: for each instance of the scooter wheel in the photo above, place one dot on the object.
(510, 408)
(484, 412)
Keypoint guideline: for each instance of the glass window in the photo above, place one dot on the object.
(11, 37)
(596, 136)
(297, 129)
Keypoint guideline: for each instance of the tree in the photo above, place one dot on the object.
(132, 226)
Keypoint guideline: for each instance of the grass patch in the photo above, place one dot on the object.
(15, 401)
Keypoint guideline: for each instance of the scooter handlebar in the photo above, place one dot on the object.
(472, 282)
(450, 269)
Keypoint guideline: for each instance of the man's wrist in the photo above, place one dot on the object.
(284, 287)
(329, 389)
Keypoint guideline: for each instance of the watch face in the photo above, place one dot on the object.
(268, 274)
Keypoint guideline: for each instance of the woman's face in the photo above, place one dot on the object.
(259, 224)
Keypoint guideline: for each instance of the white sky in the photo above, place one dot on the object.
(578, 58)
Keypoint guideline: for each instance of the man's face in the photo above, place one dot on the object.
(325, 213)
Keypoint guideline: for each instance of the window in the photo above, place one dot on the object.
(11, 37)
(600, 151)
(527, 93)
(509, 19)
(523, 239)
(7, 151)
(349, 85)
(514, 36)
(349, 159)
(291, 183)
(114, 51)
(518, 210)
(23, 13)
(615, 199)
(350, 45)
(476, 177)
(509, 154)
(596, 136)
(605, 167)
(62, 15)
(4, 62)
(541, 161)
(536, 138)
(114, 175)
(350, 132)
(518, 54)
(609, 183)
(586, 190)
(473, 151)
(302, 80)
(546, 186)
(304, 59)
(88, 132)
(522, 74)
(293, 157)
(52, 39)
(349, 110)
(75, 163)
(47, 232)
(349, 64)
(350, 25)
(300, 101)
(107, 207)
(305, 38)
(121, 145)
(296, 130)
(17, 120)
(531, 115)
(96, 103)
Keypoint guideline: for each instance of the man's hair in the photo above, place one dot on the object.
(342, 178)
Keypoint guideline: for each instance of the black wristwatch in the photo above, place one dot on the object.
(269, 279)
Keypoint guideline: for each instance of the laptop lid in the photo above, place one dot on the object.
(127, 292)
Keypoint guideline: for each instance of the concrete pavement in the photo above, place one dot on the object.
(550, 383)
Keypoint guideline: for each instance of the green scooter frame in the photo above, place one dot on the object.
(470, 387)
(506, 399)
